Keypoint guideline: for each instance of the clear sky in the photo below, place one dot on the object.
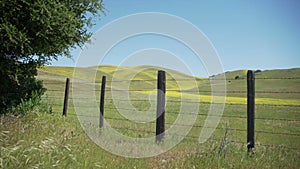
(256, 34)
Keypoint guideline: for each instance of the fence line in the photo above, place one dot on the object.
(186, 101)
(195, 126)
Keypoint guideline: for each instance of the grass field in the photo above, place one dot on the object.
(48, 140)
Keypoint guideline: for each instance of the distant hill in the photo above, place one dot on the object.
(277, 84)
(146, 74)
(276, 73)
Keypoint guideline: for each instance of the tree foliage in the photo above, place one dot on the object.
(34, 32)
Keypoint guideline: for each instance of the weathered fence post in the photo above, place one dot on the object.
(66, 99)
(102, 94)
(160, 112)
(250, 109)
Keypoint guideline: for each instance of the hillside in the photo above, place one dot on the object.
(281, 86)
(280, 83)
(145, 74)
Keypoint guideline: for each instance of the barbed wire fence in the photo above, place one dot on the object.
(58, 97)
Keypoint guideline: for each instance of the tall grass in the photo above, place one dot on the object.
(43, 140)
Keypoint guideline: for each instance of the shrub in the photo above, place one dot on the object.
(257, 71)
(27, 105)
(18, 85)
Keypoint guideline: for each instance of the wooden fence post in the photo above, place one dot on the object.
(102, 94)
(160, 112)
(250, 109)
(65, 109)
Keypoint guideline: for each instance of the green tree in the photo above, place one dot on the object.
(34, 32)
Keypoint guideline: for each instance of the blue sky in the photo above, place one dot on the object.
(256, 34)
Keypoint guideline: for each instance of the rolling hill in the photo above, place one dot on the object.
(272, 86)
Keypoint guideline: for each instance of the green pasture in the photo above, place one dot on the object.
(48, 140)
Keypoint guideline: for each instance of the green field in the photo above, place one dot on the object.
(47, 140)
